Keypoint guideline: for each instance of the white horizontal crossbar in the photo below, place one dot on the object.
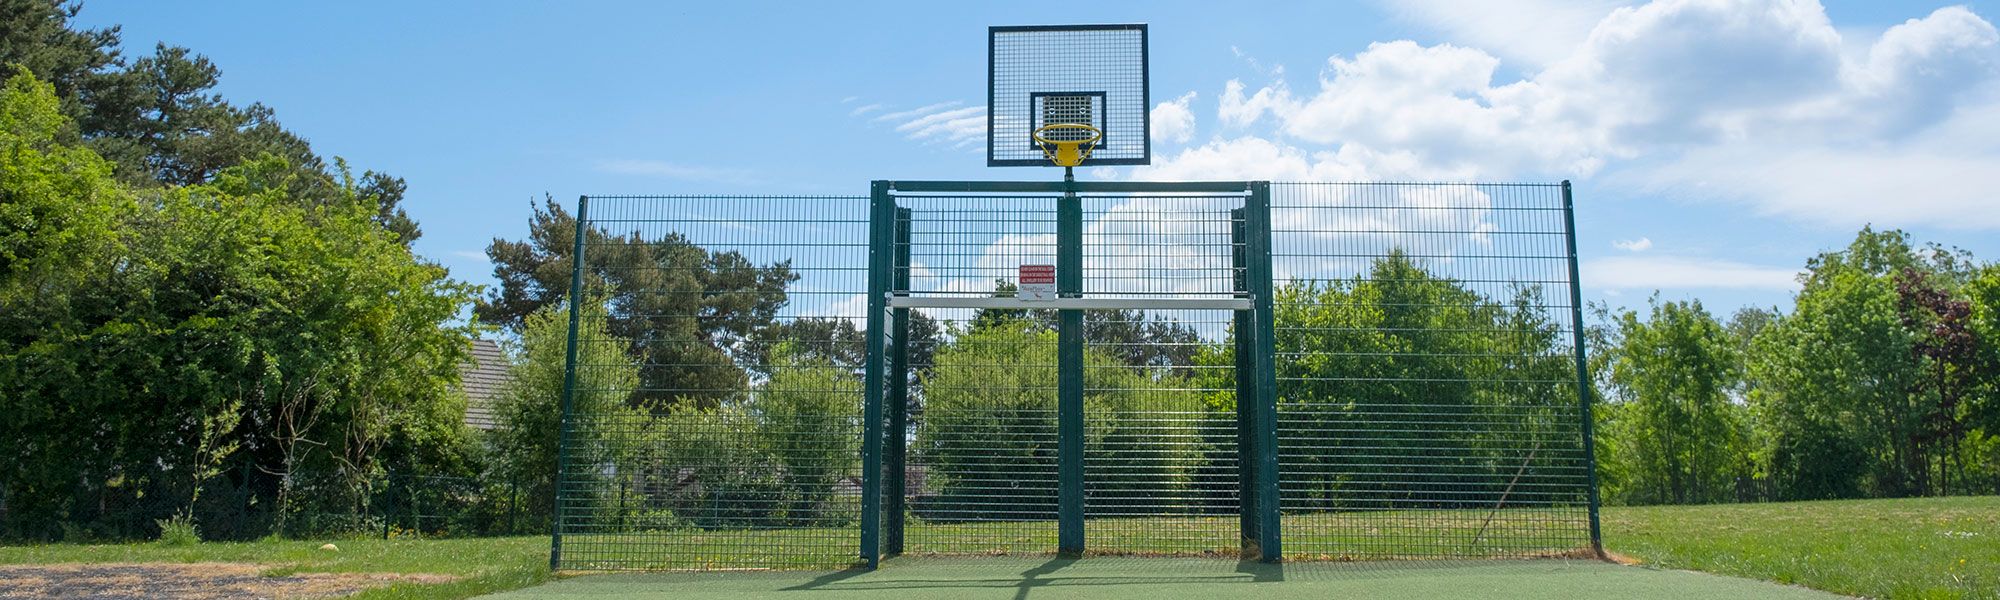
(1072, 303)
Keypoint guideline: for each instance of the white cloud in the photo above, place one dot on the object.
(1671, 272)
(1538, 32)
(478, 255)
(1173, 121)
(957, 127)
(865, 109)
(1638, 245)
(950, 123)
(1760, 102)
(919, 111)
(1240, 158)
(1272, 71)
(1238, 111)
(671, 170)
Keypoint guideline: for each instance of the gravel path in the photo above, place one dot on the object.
(134, 581)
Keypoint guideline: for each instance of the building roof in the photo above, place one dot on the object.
(481, 378)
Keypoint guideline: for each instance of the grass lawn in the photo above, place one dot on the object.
(1904, 548)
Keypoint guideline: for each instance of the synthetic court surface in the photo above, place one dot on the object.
(1116, 578)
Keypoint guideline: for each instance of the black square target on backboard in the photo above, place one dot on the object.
(1089, 74)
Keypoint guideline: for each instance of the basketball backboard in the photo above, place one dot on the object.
(1093, 75)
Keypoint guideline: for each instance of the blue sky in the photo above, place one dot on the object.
(1715, 144)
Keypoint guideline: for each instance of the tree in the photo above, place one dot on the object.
(528, 409)
(1947, 348)
(157, 119)
(35, 38)
(1981, 451)
(689, 313)
(60, 219)
(1682, 437)
(1845, 374)
(131, 330)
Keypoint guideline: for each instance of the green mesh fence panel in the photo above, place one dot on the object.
(1160, 473)
(727, 437)
(1427, 382)
(1423, 336)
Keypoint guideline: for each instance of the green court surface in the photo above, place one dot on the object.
(1116, 578)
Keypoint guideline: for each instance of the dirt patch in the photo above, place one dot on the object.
(200, 581)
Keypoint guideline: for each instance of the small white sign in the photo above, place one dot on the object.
(1037, 283)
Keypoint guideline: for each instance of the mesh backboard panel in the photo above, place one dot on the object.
(1088, 74)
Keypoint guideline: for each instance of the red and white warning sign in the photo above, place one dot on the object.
(1038, 283)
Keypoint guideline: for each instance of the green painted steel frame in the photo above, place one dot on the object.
(898, 400)
(881, 267)
(1246, 439)
(1263, 369)
(1069, 373)
(889, 240)
(1583, 387)
(569, 382)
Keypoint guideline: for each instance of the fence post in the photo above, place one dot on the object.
(898, 401)
(1246, 393)
(1257, 227)
(881, 238)
(1583, 391)
(569, 382)
(389, 510)
(1069, 373)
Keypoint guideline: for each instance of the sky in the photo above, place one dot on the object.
(1714, 145)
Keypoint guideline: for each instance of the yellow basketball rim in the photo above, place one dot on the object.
(1067, 153)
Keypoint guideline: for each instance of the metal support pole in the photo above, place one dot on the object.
(1583, 390)
(1069, 367)
(881, 254)
(899, 393)
(1257, 230)
(1246, 393)
(567, 419)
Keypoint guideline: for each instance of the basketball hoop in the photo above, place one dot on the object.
(1067, 144)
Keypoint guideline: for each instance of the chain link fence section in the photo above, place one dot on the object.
(730, 436)
(1428, 372)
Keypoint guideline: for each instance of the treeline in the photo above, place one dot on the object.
(201, 319)
(1883, 380)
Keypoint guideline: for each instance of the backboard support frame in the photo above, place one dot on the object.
(889, 300)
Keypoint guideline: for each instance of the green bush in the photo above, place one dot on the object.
(178, 531)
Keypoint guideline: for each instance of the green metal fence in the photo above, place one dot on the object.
(729, 436)
(1429, 365)
(1235, 369)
